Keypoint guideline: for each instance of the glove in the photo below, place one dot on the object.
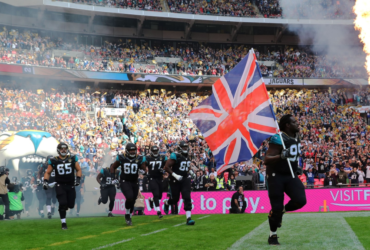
(115, 181)
(285, 154)
(77, 182)
(45, 186)
(299, 171)
(141, 171)
(38, 182)
(177, 177)
(192, 174)
(118, 186)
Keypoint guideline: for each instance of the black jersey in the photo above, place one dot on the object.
(107, 177)
(64, 169)
(52, 174)
(155, 165)
(294, 145)
(129, 168)
(182, 164)
(26, 182)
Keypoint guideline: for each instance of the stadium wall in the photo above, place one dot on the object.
(335, 200)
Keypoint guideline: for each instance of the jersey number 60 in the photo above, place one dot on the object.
(130, 168)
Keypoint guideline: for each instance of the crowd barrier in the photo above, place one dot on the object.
(333, 200)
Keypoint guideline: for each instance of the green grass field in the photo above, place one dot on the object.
(247, 231)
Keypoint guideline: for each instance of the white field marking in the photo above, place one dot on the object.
(112, 244)
(203, 217)
(154, 232)
(306, 231)
(180, 224)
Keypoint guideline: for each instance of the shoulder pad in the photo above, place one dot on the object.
(275, 139)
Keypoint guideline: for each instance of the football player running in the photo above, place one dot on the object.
(51, 196)
(65, 166)
(130, 164)
(107, 189)
(178, 167)
(155, 164)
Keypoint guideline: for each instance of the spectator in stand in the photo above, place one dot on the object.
(342, 176)
(310, 177)
(330, 179)
(212, 183)
(353, 177)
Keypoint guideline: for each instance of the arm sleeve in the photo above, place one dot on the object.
(102, 171)
(49, 162)
(275, 139)
(76, 158)
(165, 158)
(173, 156)
(117, 158)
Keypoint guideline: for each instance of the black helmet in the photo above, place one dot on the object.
(61, 146)
(131, 147)
(183, 148)
(29, 172)
(154, 151)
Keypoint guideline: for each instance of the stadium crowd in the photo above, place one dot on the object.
(29, 48)
(160, 118)
(150, 5)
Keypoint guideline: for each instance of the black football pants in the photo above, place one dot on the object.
(130, 190)
(183, 187)
(51, 196)
(66, 195)
(156, 187)
(41, 197)
(108, 192)
(277, 185)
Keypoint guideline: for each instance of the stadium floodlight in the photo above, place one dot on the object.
(32, 159)
(28, 160)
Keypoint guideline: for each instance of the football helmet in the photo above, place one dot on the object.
(131, 150)
(154, 151)
(183, 148)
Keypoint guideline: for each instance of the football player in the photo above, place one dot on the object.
(155, 164)
(65, 166)
(40, 194)
(51, 196)
(130, 164)
(107, 189)
(28, 195)
(178, 167)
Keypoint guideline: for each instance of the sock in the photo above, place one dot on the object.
(128, 211)
(272, 233)
(188, 214)
(48, 207)
(110, 212)
(63, 220)
(41, 211)
(157, 209)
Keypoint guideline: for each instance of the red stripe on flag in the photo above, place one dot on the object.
(223, 95)
(230, 151)
(262, 127)
(205, 110)
(250, 74)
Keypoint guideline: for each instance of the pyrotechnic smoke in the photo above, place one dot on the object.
(362, 23)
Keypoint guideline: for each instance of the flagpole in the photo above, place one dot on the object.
(277, 126)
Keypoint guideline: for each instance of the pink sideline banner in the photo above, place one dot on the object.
(337, 199)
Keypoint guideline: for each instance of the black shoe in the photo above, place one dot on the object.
(160, 216)
(99, 201)
(110, 215)
(42, 215)
(64, 226)
(273, 240)
(128, 220)
(49, 215)
(151, 203)
(190, 222)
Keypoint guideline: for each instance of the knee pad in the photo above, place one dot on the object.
(275, 217)
(63, 207)
(187, 205)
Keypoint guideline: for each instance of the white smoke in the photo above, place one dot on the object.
(332, 41)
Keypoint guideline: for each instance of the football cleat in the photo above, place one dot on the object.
(151, 203)
(64, 226)
(273, 240)
(160, 216)
(128, 220)
(49, 215)
(99, 201)
(190, 222)
(110, 215)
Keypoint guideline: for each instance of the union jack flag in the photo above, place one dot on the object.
(238, 116)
